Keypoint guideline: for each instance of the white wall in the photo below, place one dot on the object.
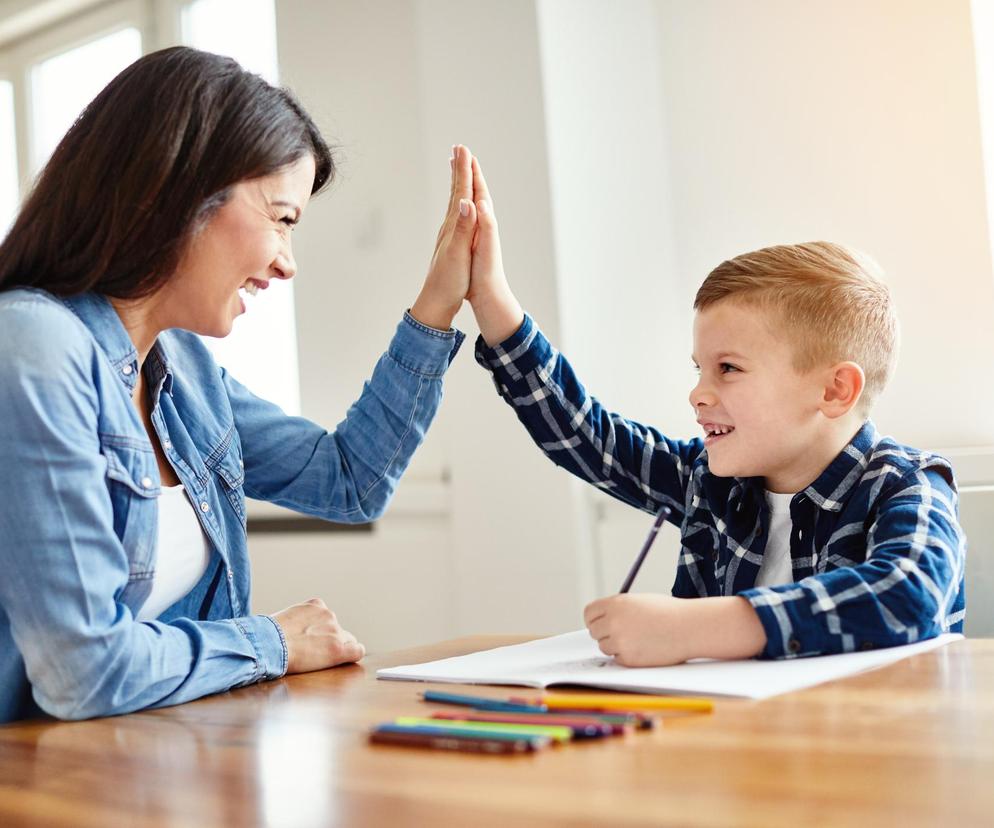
(856, 122)
(396, 84)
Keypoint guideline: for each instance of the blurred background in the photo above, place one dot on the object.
(630, 146)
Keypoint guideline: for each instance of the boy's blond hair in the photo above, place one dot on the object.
(830, 301)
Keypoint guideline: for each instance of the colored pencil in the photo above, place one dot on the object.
(481, 702)
(640, 721)
(583, 727)
(463, 744)
(661, 515)
(625, 701)
(465, 732)
(470, 732)
(557, 733)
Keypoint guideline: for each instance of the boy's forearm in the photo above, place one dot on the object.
(725, 628)
(498, 315)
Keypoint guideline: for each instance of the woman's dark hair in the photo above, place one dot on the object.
(144, 165)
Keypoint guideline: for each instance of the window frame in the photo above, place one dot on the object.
(18, 57)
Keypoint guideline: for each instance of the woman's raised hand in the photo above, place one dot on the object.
(497, 311)
(447, 282)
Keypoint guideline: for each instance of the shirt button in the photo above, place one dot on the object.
(126, 370)
(794, 646)
(204, 506)
(167, 445)
(146, 482)
(231, 575)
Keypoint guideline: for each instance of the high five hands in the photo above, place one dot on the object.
(466, 264)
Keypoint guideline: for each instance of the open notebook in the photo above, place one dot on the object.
(573, 658)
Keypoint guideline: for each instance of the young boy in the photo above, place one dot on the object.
(804, 532)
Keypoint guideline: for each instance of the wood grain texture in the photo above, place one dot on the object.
(910, 744)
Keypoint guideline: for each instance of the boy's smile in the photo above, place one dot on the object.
(760, 416)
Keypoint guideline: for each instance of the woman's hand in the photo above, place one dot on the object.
(314, 638)
(497, 311)
(447, 282)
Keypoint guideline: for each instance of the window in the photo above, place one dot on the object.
(59, 64)
(261, 351)
(63, 85)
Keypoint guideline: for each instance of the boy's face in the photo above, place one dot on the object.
(759, 414)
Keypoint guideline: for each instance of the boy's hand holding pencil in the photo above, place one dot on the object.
(658, 630)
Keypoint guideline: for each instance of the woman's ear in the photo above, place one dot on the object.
(844, 385)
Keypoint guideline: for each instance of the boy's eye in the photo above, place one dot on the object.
(289, 221)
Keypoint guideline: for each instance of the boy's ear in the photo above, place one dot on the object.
(844, 384)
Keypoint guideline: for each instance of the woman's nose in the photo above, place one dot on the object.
(284, 265)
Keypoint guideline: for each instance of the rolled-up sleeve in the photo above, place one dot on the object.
(630, 461)
(903, 592)
(347, 474)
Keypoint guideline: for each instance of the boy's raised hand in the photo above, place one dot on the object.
(448, 279)
(642, 630)
(497, 311)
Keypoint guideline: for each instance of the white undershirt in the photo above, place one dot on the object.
(777, 567)
(181, 555)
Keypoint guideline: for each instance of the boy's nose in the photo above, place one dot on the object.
(700, 395)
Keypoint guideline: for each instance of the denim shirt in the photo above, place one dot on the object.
(78, 510)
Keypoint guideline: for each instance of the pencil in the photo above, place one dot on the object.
(623, 701)
(480, 702)
(661, 515)
(583, 727)
(558, 733)
(459, 743)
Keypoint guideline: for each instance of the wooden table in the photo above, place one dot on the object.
(910, 744)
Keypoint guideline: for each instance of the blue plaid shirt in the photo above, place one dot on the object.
(876, 547)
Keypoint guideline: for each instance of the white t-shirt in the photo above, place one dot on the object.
(777, 568)
(181, 555)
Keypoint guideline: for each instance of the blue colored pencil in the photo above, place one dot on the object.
(482, 703)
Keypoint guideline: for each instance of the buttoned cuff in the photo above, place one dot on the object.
(516, 356)
(266, 638)
(792, 630)
(423, 350)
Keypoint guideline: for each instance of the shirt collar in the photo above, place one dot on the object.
(833, 486)
(157, 367)
(100, 318)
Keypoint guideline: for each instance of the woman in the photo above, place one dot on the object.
(126, 453)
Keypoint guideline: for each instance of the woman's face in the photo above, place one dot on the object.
(243, 245)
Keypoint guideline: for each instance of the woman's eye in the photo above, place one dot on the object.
(727, 367)
(289, 221)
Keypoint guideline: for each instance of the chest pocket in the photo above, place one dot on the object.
(133, 486)
(230, 472)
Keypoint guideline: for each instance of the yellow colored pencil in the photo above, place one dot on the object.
(624, 701)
